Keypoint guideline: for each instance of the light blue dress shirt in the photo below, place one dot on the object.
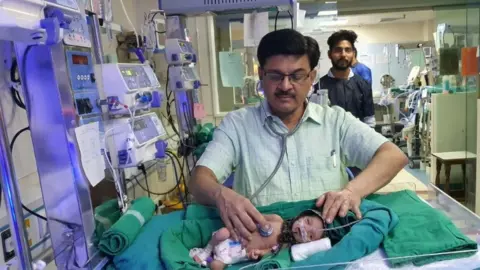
(328, 140)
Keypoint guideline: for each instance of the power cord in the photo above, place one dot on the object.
(14, 79)
(276, 19)
(19, 102)
(11, 149)
(172, 157)
(144, 171)
(289, 14)
(170, 100)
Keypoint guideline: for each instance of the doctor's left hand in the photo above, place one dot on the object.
(338, 203)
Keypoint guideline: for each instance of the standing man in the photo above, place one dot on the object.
(345, 88)
(361, 69)
(311, 159)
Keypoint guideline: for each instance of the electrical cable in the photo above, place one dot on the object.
(182, 176)
(12, 144)
(155, 193)
(169, 103)
(159, 193)
(182, 199)
(14, 79)
(291, 18)
(276, 19)
(15, 137)
(144, 171)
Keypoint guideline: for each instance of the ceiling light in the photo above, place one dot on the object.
(334, 22)
(327, 13)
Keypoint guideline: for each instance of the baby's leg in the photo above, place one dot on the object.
(217, 265)
(220, 236)
(201, 255)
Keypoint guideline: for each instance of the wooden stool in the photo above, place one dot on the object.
(453, 158)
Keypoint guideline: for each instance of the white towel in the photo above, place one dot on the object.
(303, 251)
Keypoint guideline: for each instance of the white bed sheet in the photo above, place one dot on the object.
(378, 261)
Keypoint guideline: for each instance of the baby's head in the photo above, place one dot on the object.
(306, 227)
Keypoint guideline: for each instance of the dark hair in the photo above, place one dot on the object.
(342, 35)
(288, 42)
(286, 234)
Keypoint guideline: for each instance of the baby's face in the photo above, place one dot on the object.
(307, 229)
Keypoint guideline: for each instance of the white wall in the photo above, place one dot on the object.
(394, 32)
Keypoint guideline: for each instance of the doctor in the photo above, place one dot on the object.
(324, 141)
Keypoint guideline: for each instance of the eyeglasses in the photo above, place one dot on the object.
(294, 78)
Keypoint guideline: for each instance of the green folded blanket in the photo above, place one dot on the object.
(201, 222)
(106, 215)
(422, 230)
(122, 234)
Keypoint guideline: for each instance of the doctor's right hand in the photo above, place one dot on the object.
(238, 214)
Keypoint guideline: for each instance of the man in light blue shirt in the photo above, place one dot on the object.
(322, 142)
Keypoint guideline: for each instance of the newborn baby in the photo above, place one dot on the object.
(306, 227)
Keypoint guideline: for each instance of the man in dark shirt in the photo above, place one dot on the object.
(346, 89)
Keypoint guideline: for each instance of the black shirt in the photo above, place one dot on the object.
(353, 95)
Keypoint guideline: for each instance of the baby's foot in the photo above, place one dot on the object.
(199, 255)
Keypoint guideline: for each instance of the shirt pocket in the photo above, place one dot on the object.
(322, 174)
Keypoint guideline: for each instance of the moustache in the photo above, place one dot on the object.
(284, 94)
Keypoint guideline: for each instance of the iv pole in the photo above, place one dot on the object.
(11, 195)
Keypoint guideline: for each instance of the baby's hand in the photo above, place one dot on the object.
(254, 254)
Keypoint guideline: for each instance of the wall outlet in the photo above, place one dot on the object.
(7, 245)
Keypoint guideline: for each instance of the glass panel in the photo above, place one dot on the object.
(472, 43)
(455, 111)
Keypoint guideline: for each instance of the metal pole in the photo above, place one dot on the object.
(96, 37)
(13, 203)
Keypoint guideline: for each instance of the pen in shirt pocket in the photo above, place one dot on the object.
(333, 154)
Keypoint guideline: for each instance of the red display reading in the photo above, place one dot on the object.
(79, 59)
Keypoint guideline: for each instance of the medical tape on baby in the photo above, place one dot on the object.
(137, 215)
(304, 234)
(303, 231)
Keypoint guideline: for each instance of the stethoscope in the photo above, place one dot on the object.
(284, 137)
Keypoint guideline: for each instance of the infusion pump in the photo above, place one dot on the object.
(181, 57)
(134, 144)
(127, 85)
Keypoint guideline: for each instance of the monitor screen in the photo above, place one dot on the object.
(79, 59)
(139, 125)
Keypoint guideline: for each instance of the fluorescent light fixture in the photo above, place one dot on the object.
(327, 13)
(330, 2)
(333, 22)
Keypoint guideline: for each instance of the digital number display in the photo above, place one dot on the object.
(139, 125)
(79, 59)
(128, 72)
